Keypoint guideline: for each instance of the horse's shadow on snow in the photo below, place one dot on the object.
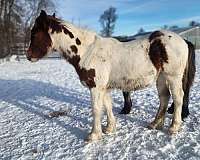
(25, 94)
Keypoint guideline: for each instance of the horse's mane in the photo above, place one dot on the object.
(58, 24)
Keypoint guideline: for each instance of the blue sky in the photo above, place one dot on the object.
(132, 14)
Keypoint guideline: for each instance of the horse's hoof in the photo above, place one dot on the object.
(174, 129)
(109, 130)
(93, 137)
(151, 126)
(184, 114)
(125, 111)
(154, 125)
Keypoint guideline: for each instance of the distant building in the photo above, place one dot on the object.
(125, 38)
(193, 35)
(190, 33)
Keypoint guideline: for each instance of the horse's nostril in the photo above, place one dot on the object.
(29, 58)
(28, 54)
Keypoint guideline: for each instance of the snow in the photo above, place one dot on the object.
(30, 93)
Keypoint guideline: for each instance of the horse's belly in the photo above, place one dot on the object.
(130, 83)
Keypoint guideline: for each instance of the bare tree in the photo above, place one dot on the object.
(165, 27)
(8, 19)
(108, 20)
(193, 23)
(174, 27)
(141, 30)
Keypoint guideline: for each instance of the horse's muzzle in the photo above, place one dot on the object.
(28, 53)
(29, 56)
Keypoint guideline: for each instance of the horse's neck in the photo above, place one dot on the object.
(78, 44)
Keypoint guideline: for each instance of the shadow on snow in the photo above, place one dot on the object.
(24, 94)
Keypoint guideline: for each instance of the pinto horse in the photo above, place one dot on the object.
(103, 64)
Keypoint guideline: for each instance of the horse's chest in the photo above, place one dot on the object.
(87, 77)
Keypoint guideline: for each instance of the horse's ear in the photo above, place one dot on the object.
(54, 15)
(43, 13)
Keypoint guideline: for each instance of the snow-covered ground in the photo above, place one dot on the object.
(31, 92)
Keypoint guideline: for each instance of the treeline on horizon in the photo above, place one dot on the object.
(17, 18)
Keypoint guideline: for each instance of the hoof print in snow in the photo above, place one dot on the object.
(57, 114)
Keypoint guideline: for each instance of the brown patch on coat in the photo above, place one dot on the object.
(68, 51)
(78, 42)
(66, 31)
(85, 75)
(155, 35)
(56, 26)
(74, 49)
(158, 54)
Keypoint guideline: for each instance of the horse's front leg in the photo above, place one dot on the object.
(97, 104)
(111, 122)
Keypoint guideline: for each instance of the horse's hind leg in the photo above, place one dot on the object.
(164, 96)
(177, 96)
(127, 103)
(185, 109)
(111, 122)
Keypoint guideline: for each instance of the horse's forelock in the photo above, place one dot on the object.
(54, 24)
(57, 25)
(44, 23)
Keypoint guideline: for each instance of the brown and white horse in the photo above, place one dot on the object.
(103, 64)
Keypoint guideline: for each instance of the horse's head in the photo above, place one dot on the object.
(41, 42)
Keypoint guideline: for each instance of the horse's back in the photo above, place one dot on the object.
(131, 68)
(136, 64)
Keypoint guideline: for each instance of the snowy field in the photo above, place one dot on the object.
(31, 92)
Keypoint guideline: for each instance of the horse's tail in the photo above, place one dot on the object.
(188, 78)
